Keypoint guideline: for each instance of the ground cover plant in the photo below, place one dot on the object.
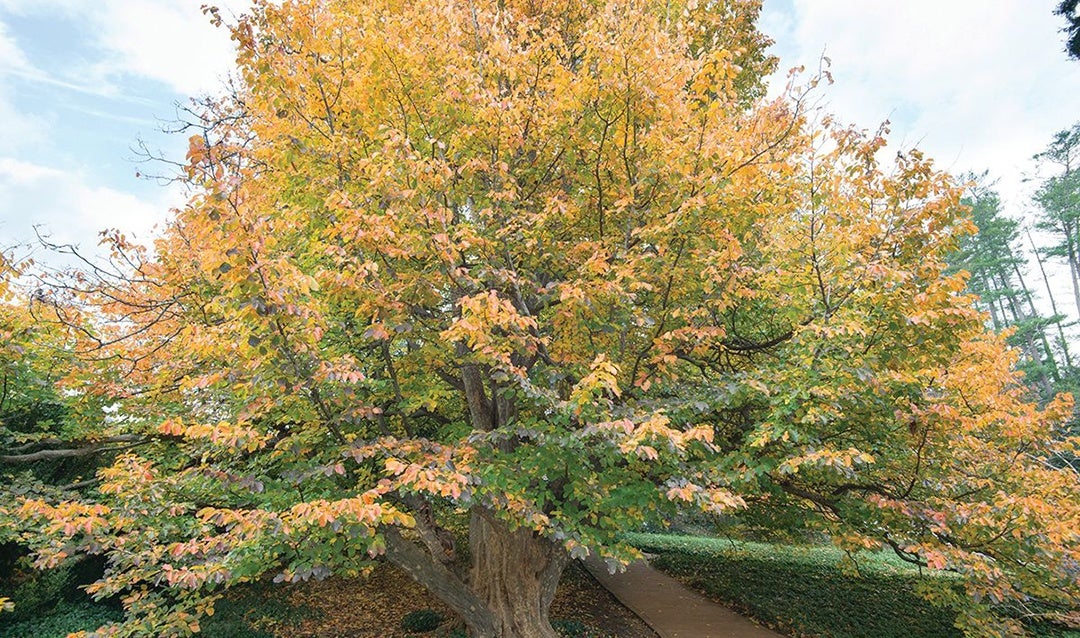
(814, 589)
(554, 267)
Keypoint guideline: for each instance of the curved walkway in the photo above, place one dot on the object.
(672, 610)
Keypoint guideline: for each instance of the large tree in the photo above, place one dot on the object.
(555, 269)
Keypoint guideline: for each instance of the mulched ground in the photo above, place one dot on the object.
(374, 606)
(581, 598)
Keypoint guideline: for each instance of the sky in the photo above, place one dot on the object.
(82, 84)
(976, 84)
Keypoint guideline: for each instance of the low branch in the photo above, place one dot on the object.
(742, 345)
(438, 540)
(840, 490)
(55, 442)
(438, 578)
(815, 498)
(833, 506)
(82, 484)
(902, 553)
(96, 447)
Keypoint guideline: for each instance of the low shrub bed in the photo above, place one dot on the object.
(804, 590)
(60, 620)
(253, 611)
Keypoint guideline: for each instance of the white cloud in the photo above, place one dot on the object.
(19, 129)
(170, 41)
(49, 183)
(68, 208)
(976, 83)
(18, 172)
(12, 57)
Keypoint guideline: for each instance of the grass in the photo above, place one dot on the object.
(880, 562)
(810, 590)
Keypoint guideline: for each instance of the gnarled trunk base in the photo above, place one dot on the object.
(515, 573)
(511, 583)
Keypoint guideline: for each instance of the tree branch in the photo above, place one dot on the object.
(97, 447)
(438, 578)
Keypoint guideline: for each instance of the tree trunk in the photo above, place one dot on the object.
(440, 580)
(1074, 268)
(511, 584)
(1053, 304)
(1051, 360)
(993, 305)
(515, 573)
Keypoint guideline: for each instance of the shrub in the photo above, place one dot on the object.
(252, 612)
(34, 593)
(574, 629)
(247, 612)
(421, 620)
(66, 617)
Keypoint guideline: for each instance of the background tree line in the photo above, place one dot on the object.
(1011, 267)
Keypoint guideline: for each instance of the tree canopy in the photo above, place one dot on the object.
(556, 269)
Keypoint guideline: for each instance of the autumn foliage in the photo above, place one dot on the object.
(559, 269)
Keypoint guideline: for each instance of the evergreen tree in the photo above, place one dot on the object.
(995, 265)
(1070, 10)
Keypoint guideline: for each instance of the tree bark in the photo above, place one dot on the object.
(441, 581)
(515, 572)
(438, 540)
(512, 579)
(992, 303)
(472, 382)
(95, 447)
